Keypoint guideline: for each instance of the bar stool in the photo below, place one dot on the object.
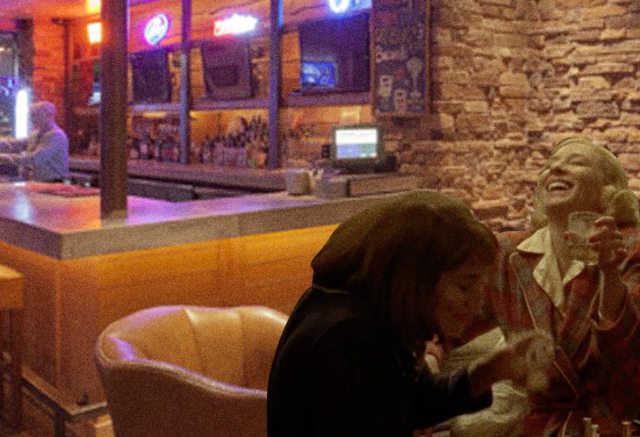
(11, 288)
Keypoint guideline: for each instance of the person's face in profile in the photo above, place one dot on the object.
(572, 180)
(459, 296)
(39, 118)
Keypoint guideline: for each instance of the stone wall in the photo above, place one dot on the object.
(512, 77)
(48, 65)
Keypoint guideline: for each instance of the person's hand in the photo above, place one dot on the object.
(434, 354)
(525, 360)
(607, 241)
(532, 355)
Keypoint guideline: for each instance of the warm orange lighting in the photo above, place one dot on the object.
(94, 30)
(93, 6)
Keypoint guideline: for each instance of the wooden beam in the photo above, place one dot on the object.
(185, 83)
(275, 81)
(113, 109)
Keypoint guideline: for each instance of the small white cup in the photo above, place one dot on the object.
(297, 181)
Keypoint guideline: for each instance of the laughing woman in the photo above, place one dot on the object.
(590, 311)
(388, 279)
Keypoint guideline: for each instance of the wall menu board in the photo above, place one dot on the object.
(400, 57)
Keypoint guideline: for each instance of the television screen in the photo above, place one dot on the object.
(318, 74)
(150, 75)
(357, 147)
(226, 66)
(334, 54)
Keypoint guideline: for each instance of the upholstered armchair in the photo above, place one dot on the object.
(189, 371)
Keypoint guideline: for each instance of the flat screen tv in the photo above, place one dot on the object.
(334, 54)
(357, 148)
(226, 66)
(150, 76)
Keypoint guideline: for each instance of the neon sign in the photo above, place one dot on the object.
(342, 6)
(22, 113)
(93, 6)
(156, 29)
(94, 32)
(339, 6)
(234, 25)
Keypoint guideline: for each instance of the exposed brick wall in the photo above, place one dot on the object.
(511, 78)
(48, 64)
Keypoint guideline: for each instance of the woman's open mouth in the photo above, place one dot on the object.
(558, 187)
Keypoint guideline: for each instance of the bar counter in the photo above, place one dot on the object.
(81, 272)
(67, 228)
(251, 179)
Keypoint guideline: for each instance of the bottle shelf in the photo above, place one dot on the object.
(293, 100)
(213, 105)
(329, 99)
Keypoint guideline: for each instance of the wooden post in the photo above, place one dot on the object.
(113, 109)
(275, 78)
(185, 83)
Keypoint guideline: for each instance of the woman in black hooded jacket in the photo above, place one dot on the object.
(389, 278)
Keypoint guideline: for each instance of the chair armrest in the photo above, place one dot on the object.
(151, 398)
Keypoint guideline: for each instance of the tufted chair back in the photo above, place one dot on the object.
(189, 371)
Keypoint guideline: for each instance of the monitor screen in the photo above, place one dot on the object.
(357, 147)
(150, 76)
(318, 74)
(334, 54)
(226, 67)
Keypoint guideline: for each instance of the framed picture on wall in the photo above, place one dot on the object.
(400, 58)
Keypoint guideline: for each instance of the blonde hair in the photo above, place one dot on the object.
(617, 200)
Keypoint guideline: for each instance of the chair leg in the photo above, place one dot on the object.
(3, 345)
(15, 349)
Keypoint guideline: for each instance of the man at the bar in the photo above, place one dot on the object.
(44, 155)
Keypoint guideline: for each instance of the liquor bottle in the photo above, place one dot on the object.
(144, 147)
(157, 149)
(194, 152)
(134, 148)
(586, 427)
(205, 150)
(218, 151)
(167, 148)
(176, 151)
(626, 428)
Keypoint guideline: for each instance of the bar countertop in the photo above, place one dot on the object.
(71, 227)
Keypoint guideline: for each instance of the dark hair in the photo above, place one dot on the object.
(394, 253)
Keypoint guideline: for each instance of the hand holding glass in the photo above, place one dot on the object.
(582, 226)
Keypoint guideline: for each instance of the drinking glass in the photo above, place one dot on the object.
(581, 224)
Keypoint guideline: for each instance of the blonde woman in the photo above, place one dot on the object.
(591, 312)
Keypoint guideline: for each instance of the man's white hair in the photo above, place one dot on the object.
(44, 107)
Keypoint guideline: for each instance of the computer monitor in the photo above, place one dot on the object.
(357, 148)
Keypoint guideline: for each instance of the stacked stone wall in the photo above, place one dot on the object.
(512, 77)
